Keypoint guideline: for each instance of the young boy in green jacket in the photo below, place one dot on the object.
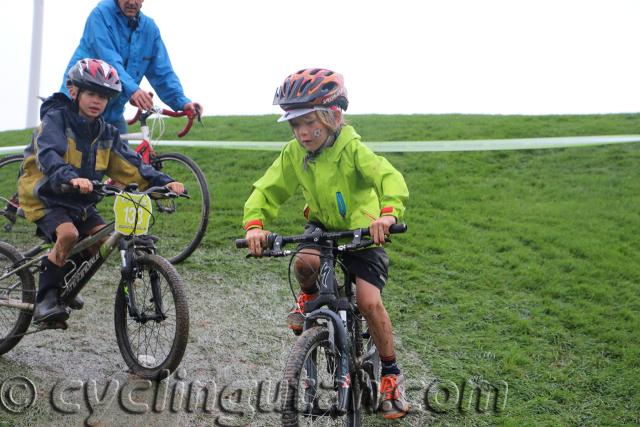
(346, 186)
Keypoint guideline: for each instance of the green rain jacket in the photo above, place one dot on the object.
(347, 186)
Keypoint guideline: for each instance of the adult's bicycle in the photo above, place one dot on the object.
(183, 223)
(333, 369)
(151, 314)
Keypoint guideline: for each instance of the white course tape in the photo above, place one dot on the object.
(411, 146)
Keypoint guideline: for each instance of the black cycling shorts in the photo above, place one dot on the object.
(54, 217)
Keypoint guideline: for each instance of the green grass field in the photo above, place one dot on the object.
(519, 266)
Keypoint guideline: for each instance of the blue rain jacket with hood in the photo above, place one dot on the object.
(134, 47)
(65, 146)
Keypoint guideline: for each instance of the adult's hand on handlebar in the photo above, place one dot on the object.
(82, 184)
(380, 228)
(193, 107)
(256, 240)
(142, 99)
(176, 187)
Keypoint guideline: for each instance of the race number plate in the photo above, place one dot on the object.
(133, 213)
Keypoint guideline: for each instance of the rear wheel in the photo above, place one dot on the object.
(18, 287)
(152, 318)
(13, 228)
(184, 221)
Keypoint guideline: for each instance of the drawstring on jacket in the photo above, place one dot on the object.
(311, 155)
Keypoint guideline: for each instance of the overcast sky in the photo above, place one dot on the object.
(414, 56)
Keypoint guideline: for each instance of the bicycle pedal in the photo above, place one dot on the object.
(57, 324)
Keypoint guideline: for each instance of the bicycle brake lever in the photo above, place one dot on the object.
(355, 245)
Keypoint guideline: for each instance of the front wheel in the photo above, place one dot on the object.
(184, 221)
(152, 318)
(311, 380)
(18, 287)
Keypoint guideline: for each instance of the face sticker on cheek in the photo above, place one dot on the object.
(316, 133)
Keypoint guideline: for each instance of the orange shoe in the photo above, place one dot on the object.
(295, 319)
(394, 403)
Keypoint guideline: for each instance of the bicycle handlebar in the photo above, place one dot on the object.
(326, 235)
(102, 189)
(190, 116)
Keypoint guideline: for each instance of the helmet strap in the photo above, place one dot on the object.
(75, 104)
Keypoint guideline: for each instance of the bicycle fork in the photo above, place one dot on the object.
(336, 323)
(129, 272)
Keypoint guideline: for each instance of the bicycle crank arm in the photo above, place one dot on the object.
(366, 357)
(16, 303)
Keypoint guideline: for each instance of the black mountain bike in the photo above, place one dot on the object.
(151, 314)
(333, 369)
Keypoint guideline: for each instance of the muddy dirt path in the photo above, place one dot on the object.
(238, 345)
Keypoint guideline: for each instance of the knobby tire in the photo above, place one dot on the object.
(173, 332)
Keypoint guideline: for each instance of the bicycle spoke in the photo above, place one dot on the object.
(181, 226)
(19, 286)
(153, 342)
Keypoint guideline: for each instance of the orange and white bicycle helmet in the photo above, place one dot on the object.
(96, 75)
(311, 89)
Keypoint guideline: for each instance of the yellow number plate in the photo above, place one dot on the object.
(133, 213)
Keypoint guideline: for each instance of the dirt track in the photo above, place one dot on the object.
(238, 345)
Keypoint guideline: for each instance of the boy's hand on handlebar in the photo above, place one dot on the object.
(176, 187)
(142, 99)
(82, 184)
(256, 240)
(380, 228)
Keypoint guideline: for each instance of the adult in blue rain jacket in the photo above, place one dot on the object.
(117, 32)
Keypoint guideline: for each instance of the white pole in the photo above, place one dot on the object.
(36, 58)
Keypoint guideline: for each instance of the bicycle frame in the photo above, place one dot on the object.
(82, 274)
(335, 317)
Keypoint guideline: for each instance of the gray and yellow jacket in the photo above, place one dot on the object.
(67, 146)
(347, 186)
